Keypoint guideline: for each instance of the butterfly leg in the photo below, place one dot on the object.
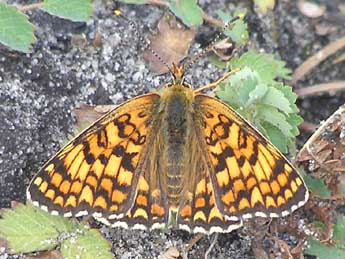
(217, 82)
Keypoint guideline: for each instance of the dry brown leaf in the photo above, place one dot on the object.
(171, 43)
(87, 114)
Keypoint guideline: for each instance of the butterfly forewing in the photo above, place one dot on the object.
(249, 176)
(96, 172)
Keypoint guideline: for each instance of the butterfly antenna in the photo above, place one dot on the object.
(141, 38)
(211, 45)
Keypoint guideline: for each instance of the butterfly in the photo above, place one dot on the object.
(180, 158)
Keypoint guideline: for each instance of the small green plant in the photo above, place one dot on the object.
(17, 32)
(265, 102)
(28, 229)
(335, 250)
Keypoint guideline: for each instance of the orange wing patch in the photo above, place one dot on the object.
(97, 171)
(249, 176)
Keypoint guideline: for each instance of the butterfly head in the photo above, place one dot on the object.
(177, 73)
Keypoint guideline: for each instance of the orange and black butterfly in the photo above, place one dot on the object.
(179, 158)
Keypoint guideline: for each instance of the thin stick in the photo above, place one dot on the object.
(214, 241)
(195, 239)
(216, 83)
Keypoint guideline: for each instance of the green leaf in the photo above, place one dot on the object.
(238, 87)
(74, 10)
(323, 251)
(238, 30)
(134, 1)
(288, 93)
(28, 229)
(259, 92)
(264, 64)
(275, 135)
(88, 246)
(316, 186)
(339, 232)
(264, 5)
(274, 117)
(276, 98)
(294, 120)
(16, 31)
(217, 62)
(188, 11)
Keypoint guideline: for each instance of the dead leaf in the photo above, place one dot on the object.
(88, 114)
(171, 44)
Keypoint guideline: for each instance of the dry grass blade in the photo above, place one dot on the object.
(314, 60)
(321, 88)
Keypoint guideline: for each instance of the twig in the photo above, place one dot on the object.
(321, 88)
(314, 60)
(29, 7)
(213, 243)
(195, 239)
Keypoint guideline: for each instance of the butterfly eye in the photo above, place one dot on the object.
(187, 85)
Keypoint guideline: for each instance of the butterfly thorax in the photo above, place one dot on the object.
(176, 120)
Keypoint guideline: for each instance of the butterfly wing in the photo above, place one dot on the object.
(99, 171)
(197, 211)
(150, 208)
(249, 176)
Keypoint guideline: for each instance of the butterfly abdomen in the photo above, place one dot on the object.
(176, 128)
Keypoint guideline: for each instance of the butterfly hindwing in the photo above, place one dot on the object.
(198, 212)
(96, 173)
(150, 209)
(249, 176)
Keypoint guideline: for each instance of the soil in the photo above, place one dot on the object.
(39, 90)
